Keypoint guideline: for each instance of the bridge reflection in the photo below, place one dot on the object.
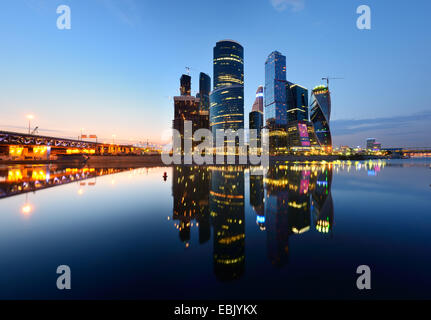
(15, 180)
(291, 199)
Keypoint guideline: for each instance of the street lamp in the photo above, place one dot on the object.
(29, 117)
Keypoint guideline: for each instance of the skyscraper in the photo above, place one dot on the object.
(297, 102)
(300, 132)
(227, 97)
(185, 85)
(320, 114)
(187, 108)
(258, 103)
(256, 117)
(204, 91)
(275, 101)
(275, 90)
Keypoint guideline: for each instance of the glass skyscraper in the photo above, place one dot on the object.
(321, 114)
(256, 116)
(227, 97)
(297, 102)
(204, 91)
(275, 91)
(185, 85)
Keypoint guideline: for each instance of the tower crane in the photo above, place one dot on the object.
(330, 78)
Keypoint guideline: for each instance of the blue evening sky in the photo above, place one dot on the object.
(116, 70)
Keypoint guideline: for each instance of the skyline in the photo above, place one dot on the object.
(102, 67)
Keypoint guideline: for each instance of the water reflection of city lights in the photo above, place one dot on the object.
(26, 209)
(81, 192)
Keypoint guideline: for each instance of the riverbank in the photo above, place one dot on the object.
(156, 160)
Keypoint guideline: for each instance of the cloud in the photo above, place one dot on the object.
(294, 5)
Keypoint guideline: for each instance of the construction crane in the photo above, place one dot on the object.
(329, 78)
(35, 130)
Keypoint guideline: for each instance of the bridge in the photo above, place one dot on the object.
(20, 146)
(410, 151)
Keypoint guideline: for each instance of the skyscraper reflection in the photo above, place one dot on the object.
(190, 188)
(227, 211)
(257, 195)
(293, 192)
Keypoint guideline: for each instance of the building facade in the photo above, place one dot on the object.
(255, 120)
(301, 136)
(275, 91)
(297, 102)
(185, 85)
(275, 102)
(204, 91)
(187, 108)
(227, 97)
(320, 115)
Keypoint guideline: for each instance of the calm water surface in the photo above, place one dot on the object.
(299, 232)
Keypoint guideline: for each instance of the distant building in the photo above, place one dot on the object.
(377, 146)
(256, 117)
(370, 143)
(227, 97)
(204, 91)
(320, 115)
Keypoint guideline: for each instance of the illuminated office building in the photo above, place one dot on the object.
(227, 97)
(321, 114)
(256, 117)
(275, 90)
(187, 108)
(275, 101)
(301, 136)
(204, 91)
(185, 85)
(297, 102)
